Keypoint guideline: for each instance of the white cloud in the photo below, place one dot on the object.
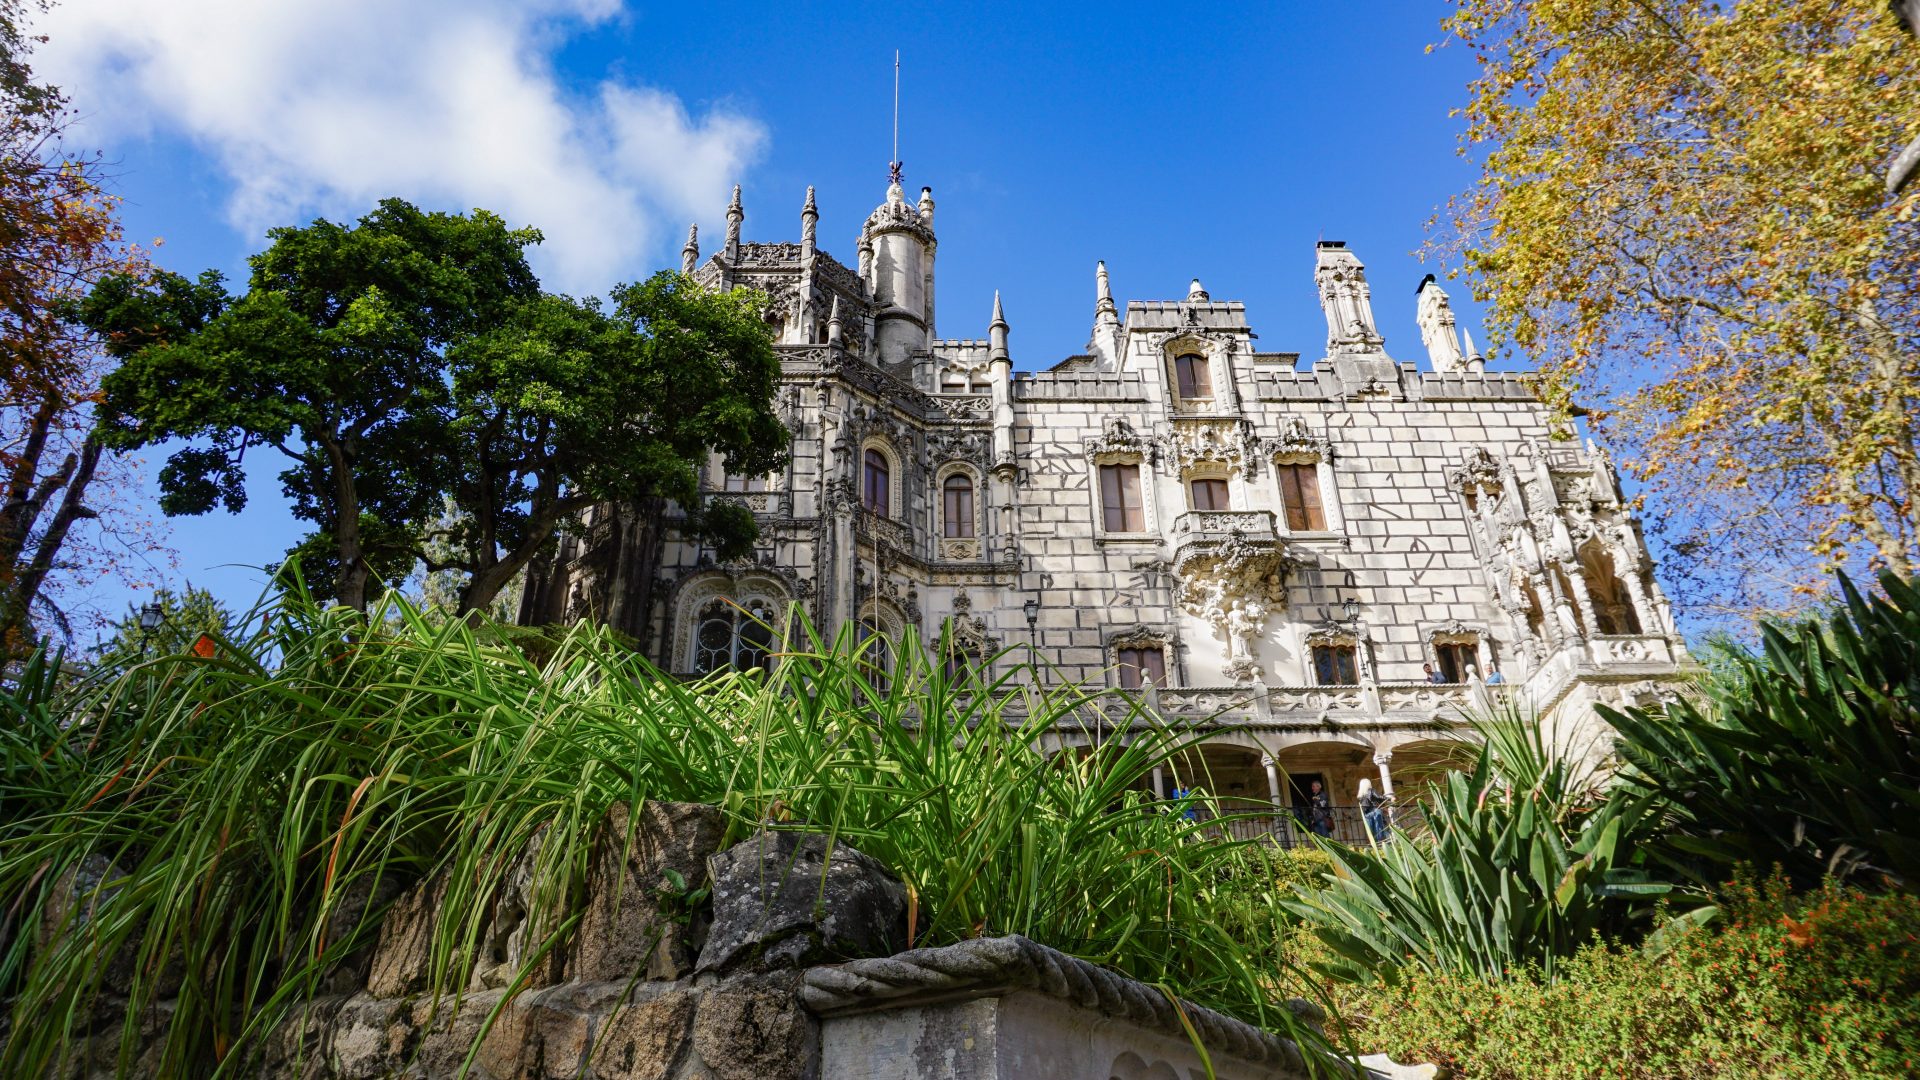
(325, 106)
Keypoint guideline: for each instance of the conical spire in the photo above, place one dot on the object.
(997, 330)
(1472, 353)
(1196, 294)
(690, 255)
(833, 322)
(1103, 291)
(1105, 343)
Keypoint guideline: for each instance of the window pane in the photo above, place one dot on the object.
(713, 640)
(1154, 666)
(1335, 665)
(1209, 494)
(1300, 491)
(1194, 376)
(958, 511)
(875, 494)
(756, 641)
(1120, 498)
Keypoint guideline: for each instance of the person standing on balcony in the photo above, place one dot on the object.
(1494, 678)
(1373, 808)
(1432, 675)
(1319, 811)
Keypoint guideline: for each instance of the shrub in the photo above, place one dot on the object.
(1807, 756)
(1523, 865)
(1825, 984)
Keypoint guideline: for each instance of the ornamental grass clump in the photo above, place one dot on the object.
(221, 832)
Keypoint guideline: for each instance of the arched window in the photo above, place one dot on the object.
(956, 496)
(729, 636)
(876, 483)
(1194, 376)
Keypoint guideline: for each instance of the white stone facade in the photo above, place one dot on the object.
(1448, 525)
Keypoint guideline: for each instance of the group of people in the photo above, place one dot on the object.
(1373, 810)
(1317, 810)
(1494, 678)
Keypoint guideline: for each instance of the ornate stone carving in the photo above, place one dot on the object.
(1297, 442)
(1118, 439)
(1191, 442)
(963, 550)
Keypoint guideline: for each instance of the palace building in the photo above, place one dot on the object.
(1279, 545)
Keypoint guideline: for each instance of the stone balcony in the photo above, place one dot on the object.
(1203, 532)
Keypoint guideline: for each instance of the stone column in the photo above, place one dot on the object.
(1273, 779)
(1159, 783)
(1382, 758)
(1577, 581)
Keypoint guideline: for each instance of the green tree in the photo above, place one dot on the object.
(411, 359)
(184, 617)
(334, 358)
(566, 405)
(1683, 216)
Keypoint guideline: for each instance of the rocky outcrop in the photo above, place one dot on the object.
(789, 900)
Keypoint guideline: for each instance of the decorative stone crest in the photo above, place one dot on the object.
(968, 631)
(1298, 442)
(1118, 439)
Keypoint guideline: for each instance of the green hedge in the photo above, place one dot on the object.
(1820, 984)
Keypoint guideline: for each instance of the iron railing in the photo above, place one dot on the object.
(1295, 827)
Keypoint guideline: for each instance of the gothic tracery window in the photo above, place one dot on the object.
(726, 635)
(1336, 664)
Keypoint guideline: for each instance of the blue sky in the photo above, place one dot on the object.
(1173, 141)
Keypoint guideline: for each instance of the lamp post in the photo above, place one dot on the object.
(150, 618)
(1032, 610)
(1351, 605)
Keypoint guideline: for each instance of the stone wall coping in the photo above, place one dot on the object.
(990, 967)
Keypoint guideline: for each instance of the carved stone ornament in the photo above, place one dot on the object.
(961, 550)
(1233, 585)
(1333, 634)
(1118, 439)
(1454, 632)
(1192, 442)
(969, 631)
(1298, 442)
(1479, 475)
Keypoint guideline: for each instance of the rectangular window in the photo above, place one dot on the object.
(1336, 665)
(957, 507)
(745, 483)
(1194, 374)
(1300, 491)
(1137, 666)
(1121, 509)
(1208, 494)
(1455, 659)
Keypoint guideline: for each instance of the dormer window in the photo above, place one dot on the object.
(1193, 375)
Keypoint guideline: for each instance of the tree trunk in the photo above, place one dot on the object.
(26, 588)
(350, 575)
(639, 566)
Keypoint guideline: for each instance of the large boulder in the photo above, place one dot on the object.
(518, 924)
(755, 1029)
(789, 899)
(639, 918)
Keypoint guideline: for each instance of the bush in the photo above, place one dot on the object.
(1808, 756)
(1825, 984)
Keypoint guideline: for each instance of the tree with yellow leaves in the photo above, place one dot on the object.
(1683, 218)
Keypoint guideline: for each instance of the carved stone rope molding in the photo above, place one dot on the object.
(985, 965)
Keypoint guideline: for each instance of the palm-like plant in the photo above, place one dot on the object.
(1807, 756)
(1523, 863)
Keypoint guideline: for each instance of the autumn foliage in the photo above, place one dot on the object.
(58, 234)
(1683, 219)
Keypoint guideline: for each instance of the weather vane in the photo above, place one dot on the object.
(893, 167)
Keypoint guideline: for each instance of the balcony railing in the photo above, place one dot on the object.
(1296, 827)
